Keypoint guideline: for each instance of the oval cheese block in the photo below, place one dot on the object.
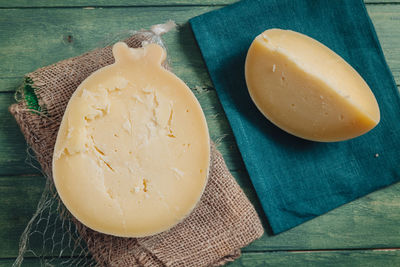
(133, 151)
(306, 89)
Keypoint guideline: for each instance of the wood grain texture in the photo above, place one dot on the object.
(14, 158)
(19, 198)
(28, 42)
(113, 3)
(48, 262)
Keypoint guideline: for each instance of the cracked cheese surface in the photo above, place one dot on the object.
(132, 153)
(306, 89)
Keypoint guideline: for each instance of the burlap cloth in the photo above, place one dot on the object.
(223, 222)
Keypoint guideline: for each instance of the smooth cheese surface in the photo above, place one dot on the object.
(133, 151)
(306, 89)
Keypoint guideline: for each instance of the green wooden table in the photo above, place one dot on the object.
(365, 232)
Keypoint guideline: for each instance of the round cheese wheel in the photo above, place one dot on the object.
(133, 150)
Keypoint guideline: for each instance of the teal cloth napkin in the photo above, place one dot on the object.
(297, 180)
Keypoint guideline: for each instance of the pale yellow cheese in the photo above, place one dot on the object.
(132, 154)
(306, 89)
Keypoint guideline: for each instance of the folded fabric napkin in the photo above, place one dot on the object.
(297, 180)
(223, 221)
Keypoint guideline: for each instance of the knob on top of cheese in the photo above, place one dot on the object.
(133, 151)
(306, 89)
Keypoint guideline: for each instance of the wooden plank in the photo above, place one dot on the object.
(386, 20)
(18, 201)
(14, 158)
(29, 41)
(37, 262)
(20, 196)
(370, 222)
(368, 258)
(114, 3)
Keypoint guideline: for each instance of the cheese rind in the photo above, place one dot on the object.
(306, 89)
(133, 151)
